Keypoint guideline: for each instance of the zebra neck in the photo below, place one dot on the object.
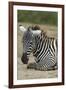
(40, 43)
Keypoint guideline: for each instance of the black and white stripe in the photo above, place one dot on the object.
(46, 51)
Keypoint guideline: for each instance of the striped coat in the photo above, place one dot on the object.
(44, 48)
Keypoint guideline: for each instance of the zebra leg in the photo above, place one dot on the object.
(55, 67)
(31, 66)
(41, 68)
(45, 68)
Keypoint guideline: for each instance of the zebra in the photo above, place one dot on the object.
(44, 49)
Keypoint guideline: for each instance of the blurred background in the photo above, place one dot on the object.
(38, 17)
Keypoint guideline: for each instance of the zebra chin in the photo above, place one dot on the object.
(24, 58)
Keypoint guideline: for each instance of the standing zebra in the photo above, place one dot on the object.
(44, 49)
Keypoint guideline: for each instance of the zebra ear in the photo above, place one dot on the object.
(36, 32)
(23, 29)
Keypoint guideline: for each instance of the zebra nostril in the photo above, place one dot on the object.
(24, 58)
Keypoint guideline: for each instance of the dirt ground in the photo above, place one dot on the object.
(22, 71)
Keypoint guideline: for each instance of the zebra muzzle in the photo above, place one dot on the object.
(24, 58)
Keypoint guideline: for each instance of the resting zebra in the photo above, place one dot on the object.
(44, 49)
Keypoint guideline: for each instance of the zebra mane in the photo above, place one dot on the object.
(36, 27)
(43, 33)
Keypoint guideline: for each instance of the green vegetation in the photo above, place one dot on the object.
(37, 17)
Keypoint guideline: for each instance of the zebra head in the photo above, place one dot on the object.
(28, 41)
